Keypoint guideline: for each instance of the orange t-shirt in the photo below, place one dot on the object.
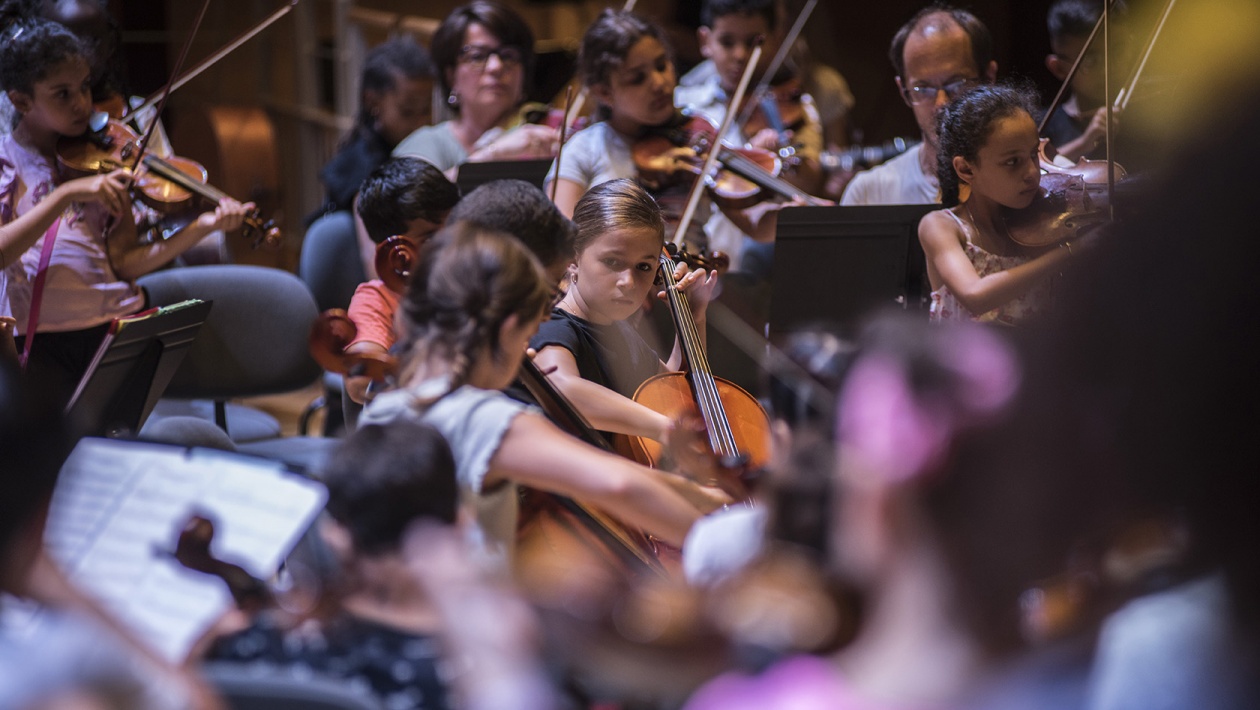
(372, 311)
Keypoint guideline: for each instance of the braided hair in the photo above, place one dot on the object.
(468, 282)
(965, 124)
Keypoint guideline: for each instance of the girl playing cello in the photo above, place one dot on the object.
(597, 359)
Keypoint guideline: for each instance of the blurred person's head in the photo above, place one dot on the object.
(384, 477)
(395, 89)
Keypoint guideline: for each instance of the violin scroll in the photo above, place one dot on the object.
(395, 258)
(192, 550)
(331, 333)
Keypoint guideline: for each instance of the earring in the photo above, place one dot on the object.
(452, 99)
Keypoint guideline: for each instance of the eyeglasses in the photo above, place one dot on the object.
(927, 94)
(476, 56)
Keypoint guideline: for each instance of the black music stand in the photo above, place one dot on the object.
(473, 175)
(132, 368)
(832, 265)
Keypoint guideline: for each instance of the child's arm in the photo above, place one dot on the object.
(948, 265)
(699, 286)
(568, 193)
(1094, 133)
(131, 259)
(605, 409)
(372, 313)
(535, 453)
(109, 189)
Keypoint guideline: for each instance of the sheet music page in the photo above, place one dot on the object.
(119, 507)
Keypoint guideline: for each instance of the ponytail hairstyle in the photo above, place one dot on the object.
(32, 48)
(616, 204)
(469, 281)
(607, 42)
(965, 124)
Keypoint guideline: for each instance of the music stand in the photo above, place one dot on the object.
(473, 175)
(832, 265)
(132, 368)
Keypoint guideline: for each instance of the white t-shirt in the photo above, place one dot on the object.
(474, 422)
(900, 181)
(595, 155)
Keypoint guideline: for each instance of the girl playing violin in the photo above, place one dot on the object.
(594, 356)
(988, 141)
(95, 254)
(474, 301)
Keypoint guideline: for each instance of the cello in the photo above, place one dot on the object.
(735, 424)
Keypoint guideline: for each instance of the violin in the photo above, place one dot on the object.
(168, 185)
(778, 107)
(749, 175)
(1069, 201)
(735, 424)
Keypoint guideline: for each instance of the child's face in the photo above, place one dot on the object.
(61, 102)
(615, 273)
(403, 108)
(641, 90)
(1087, 84)
(1007, 170)
(420, 229)
(731, 41)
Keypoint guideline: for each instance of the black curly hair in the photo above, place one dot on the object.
(31, 49)
(964, 124)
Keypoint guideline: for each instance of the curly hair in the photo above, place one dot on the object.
(31, 49)
(467, 284)
(965, 124)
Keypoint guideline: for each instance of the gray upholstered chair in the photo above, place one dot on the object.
(332, 268)
(253, 343)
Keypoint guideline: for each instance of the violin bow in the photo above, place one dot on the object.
(777, 61)
(564, 130)
(710, 160)
(214, 58)
(166, 92)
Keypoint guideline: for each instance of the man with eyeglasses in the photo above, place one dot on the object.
(940, 53)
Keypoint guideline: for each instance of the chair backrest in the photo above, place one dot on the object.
(251, 687)
(255, 340)
(330, 263)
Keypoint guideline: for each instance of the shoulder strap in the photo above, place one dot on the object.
(37, 291)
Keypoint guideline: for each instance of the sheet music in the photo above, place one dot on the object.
(119, 505)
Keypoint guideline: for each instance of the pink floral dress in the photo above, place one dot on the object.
(945, 306)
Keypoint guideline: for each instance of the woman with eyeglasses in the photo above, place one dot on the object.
(485, 59)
